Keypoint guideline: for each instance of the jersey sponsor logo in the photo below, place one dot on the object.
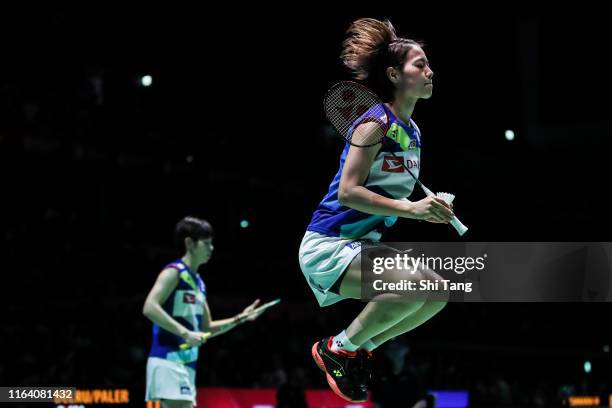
(185, 390)
(392, 164)
(189, 298)
(412, 144)
(412, 164)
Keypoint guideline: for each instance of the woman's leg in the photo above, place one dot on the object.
(410, 322)
(383, 312)
(434, 304)
(347, 371)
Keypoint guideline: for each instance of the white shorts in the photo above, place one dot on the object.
(323, 260)
(170, 381)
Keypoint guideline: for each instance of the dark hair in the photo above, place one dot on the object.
(370, 48)
(192, 227)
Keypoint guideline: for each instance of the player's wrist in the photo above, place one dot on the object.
(407, 209)
(183, 332)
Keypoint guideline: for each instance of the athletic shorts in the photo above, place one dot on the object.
(323, 260)
(169, 380)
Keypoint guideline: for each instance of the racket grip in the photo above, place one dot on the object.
(461, 229)
(186, 346)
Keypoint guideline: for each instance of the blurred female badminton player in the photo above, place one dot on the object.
(180, 314)
(366, 196)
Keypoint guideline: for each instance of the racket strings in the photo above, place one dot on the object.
(349, 105)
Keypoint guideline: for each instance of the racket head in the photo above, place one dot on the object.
(357, 114)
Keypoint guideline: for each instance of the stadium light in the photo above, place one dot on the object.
(146, 80)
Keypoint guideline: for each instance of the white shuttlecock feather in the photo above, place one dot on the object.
(448, 198)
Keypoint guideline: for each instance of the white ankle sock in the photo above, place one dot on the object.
(342, 342)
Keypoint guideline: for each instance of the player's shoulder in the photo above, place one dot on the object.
(173, 270)
(178, 265)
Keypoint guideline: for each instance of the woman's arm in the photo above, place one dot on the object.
(166, 282)
(353, 194)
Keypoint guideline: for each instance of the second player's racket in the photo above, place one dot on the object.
(260, 309)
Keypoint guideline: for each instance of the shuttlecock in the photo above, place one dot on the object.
(447, 197)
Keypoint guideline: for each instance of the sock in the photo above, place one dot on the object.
(342, 342)
(369, 345)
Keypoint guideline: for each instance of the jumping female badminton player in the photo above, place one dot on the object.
(180, 314)
(366, 196)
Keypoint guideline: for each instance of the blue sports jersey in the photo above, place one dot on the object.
(387, 177)
(186, 305)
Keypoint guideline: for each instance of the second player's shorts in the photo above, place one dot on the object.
(169, 380)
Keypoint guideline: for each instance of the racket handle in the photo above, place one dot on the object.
(186, 346)
(427, 191)
(461, 229)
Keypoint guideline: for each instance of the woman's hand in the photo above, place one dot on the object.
(250, 312)
(194, 338)
(431, 209)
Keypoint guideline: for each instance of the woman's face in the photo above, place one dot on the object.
(201, 250)
(414, 79)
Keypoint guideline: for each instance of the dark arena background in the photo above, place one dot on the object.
(116, 123)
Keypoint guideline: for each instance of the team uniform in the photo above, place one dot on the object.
(170, 370)
(333, 237)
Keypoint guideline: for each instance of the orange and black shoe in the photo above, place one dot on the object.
(344, 370)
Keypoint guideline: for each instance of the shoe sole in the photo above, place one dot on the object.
(330, 380)
(317, 358)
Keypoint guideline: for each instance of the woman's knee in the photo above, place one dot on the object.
(395, 307)
(440, 294)
(403, 275)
